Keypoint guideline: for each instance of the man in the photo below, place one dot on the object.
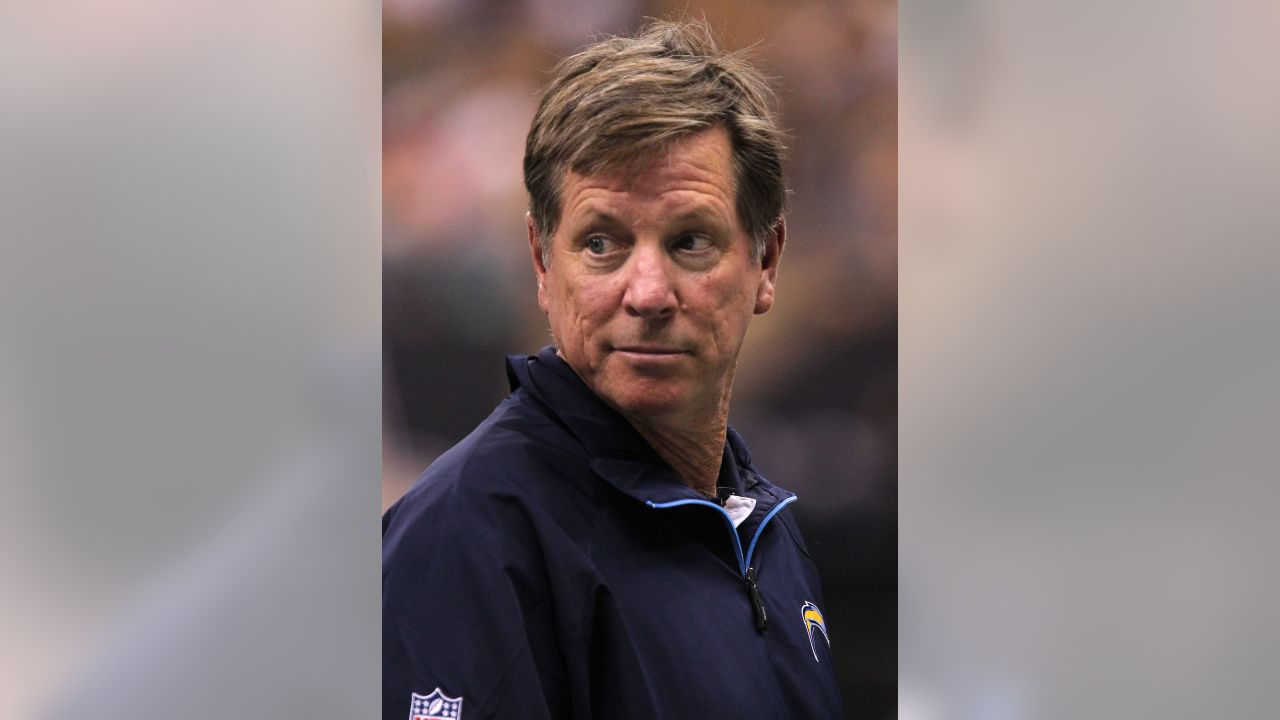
(602, 545)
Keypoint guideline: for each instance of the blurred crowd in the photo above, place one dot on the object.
(816, 390)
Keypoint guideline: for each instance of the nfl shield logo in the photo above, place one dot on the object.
(436, 706)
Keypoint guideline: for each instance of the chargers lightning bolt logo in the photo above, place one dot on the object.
(813, 621)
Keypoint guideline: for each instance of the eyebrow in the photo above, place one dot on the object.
(596, 216)
(700, 214)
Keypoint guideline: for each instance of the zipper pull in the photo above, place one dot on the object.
(753, 592)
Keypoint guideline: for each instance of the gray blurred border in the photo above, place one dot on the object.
(1088, 336)
(189, 369)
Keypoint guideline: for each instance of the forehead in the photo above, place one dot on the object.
(697, 169)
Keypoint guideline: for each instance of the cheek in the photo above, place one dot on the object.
(593, 302)
(579, 308)
(729, 306)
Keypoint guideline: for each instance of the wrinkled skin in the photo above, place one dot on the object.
(651, 284)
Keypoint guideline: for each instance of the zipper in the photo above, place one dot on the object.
(753, 592)
(749, 572)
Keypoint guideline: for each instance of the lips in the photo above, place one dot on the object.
(648, 350)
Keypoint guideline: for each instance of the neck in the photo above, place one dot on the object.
(692, 444)
(693, 452)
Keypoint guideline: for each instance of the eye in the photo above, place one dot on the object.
(599, 245)
(693, 243)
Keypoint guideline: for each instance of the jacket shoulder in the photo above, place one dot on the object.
(471, 557)
(520, 462)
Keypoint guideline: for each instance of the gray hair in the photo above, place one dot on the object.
(624, 99)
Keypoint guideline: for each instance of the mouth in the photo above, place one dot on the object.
(654, 350)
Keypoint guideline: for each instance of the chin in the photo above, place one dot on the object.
(647, 399)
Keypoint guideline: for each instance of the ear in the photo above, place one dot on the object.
(539, 268)
(769, 259)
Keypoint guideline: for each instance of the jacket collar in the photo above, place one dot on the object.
(618, 453)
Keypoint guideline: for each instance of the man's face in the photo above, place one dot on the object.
(651, 284)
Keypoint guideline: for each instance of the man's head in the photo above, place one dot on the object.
(621, 101)
(655, 229)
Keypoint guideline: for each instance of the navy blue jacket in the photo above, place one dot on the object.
(552, 565)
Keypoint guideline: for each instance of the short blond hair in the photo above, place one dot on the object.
(623, 100)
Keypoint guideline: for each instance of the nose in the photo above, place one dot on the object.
(650, 291)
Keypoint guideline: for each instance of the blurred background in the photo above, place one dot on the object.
(816, 390)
